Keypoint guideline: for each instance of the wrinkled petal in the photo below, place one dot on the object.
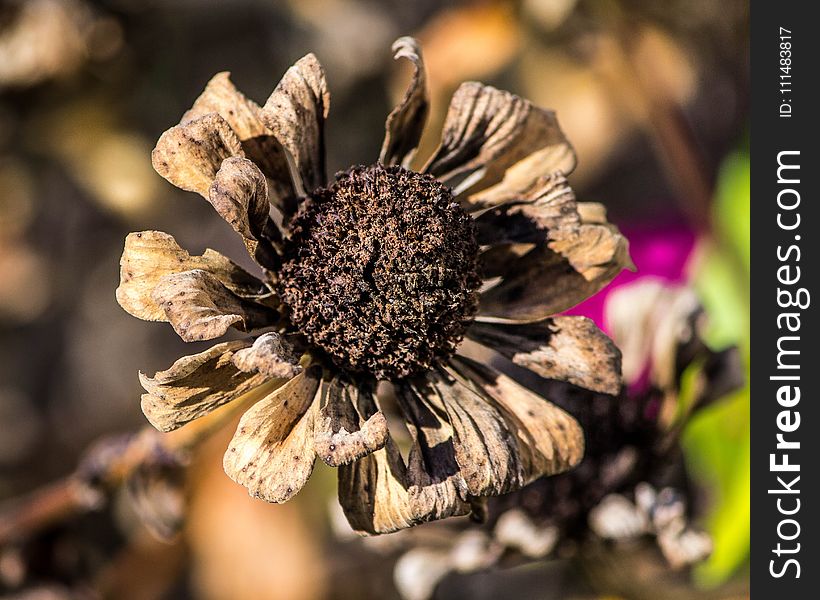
(258, 143)
(405, 123)
(270, 355)
(571, 259)
(239, 194)
(348, 425)
(570, 349)
(296, 113)
(195, 385)
(189, 155)
(496, 134)
(379, 494)
(199, 307)
(550, 441)
(150, 255)
(486, 451)
(271, 452)
(549, 205)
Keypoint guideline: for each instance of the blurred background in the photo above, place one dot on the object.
(654, 97)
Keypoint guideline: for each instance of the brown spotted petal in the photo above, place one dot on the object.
(196, 385)
(379, 494)
(296, 113)
(150, 255)
(570, 349)
(271, 453)
(405, 123)
(485, 449)
(190, 154)
(550, 441)
(348, 425)
(199, 307)
(244, 117)
(270, 355)
(496, 134)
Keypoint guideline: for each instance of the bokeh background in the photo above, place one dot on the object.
(654, 96)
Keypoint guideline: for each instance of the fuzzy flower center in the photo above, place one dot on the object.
(380, 271)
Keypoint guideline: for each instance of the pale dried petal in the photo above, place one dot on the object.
(270, 355)
(150, 255)
(378, 495)
(570, 349)
(195, 385)
(199, 307)
(498, 135)
(189, 155)
(405, 123)
(550, 441)
(486, 451)
(259, 144)
(348, 425)
(296, 113)
(239, 194)
(271, 453)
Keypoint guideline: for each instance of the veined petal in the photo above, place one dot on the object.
(271, 453)
(570, 349)
(486, 451)
(150, 255)
(199, 307)
(348, 424)
(405, 123)
(498, 136)
(571, 259)
(258, 143)
(379, 494)
(550, 441)
(296, 113)
(190, 154)
(196, 385)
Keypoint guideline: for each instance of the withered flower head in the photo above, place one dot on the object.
(379, 275)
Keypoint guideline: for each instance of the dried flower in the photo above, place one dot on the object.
(378, 276)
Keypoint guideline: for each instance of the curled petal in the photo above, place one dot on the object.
(239, 194)
(497, 135)
(571, 259)
(271, 453)
(258, 143)
(405, 123)
(190, 154)
(570, 349)
(549, 440)
(270, 355)
(378, 495)
(150, 255)
(199, 307)
(486, 451)
(296, 113)
(196, 385)
(348, 425)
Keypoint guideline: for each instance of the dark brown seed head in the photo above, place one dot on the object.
(380, 271)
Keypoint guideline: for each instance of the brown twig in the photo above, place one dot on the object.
(103, 468)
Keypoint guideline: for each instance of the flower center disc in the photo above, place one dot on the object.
(380, 271)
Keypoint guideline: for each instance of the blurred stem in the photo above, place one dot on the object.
(105, 466)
